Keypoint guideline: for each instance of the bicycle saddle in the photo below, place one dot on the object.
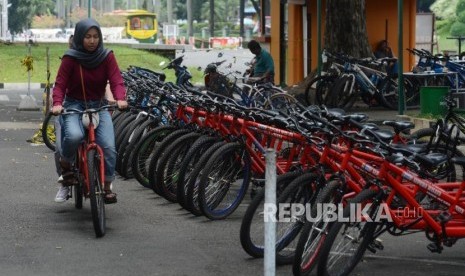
(86, 121)
(399, 126)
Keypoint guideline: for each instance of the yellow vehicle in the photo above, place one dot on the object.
(141, 25)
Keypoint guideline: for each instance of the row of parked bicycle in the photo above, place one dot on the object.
(346, 80)
(205, 151)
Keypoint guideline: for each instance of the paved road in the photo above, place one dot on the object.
(146, 234)
(201, 58)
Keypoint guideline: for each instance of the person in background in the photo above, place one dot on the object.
(384, 51)
(84, 73)
(263, 68)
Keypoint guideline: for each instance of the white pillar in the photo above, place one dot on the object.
(270, 226)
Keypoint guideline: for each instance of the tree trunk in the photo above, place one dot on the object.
(190, 25)
(345, 30)
(212, 18)
(169, 11)
(241, 17)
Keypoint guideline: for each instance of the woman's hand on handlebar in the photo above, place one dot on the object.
(57, 109)
(122, 104)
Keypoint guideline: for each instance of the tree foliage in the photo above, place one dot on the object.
(444, 9)
(21, 13)
(458, 27)
(424, 5)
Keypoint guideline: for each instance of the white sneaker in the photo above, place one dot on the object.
(62, 194)
(60, 179)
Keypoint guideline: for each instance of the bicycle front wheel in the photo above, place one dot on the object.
(346, 242)
(224, 181)
(96, 193)
(314, 231)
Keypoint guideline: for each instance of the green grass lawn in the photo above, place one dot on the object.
(11, 70)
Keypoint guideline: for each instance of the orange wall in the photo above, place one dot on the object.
(382, 24)
(275, 38)
(295, 58)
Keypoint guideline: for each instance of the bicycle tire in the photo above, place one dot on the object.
(188, 164)
(252, 224)
(166, 171)
(96, 193)
(311, 88)
(128, 156)
(78, 196)
(48, 131)
(389, 93)
(157, 155)
(323, 90)
(117, 122)
(313, 233)
(356, 254)
(123, 137)
(234, 169)
(280, 101)
(302, 191)
(125, 140)
(344, 93)
(423, 135)
(117, 117)
(191, 199)
(143, 152)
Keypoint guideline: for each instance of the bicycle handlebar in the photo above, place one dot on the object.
(88, 110)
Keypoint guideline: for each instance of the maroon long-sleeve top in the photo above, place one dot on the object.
(68, 80)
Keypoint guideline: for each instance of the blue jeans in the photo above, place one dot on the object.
(72, 133)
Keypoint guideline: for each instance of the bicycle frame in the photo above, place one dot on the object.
(91, 185)
(362, 79)
(89, 144)
(395, 181)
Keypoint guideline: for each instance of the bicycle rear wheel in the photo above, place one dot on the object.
(344, 93)
(323, 89)
(78, 196)
(280, 101)
(252, 225)
(48, 131)
(96, 193)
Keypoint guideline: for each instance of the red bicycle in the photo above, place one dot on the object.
(89, 168)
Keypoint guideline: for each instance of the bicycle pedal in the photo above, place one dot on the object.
(444, 217)
(371, 248)
(375, 245)
(449, 242)
(434, 247)
(378, 243)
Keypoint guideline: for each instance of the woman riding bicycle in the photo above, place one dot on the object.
(84, 72)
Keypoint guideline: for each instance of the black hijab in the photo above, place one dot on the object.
(87, 59)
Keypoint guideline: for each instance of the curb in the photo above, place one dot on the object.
(22, 86)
